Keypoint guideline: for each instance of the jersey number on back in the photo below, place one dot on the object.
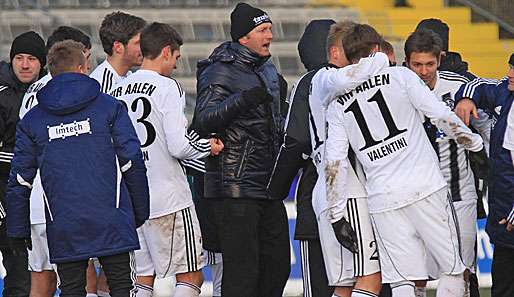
(363, 126)
(147, 109)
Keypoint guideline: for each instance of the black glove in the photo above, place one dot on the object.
(479, 164)
(345, 235)
(19, 246)
(256, 96)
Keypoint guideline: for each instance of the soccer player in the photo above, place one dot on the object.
(496, 97)
(43, 277)
(120, 35)
(91, 167)
(380, 119)
(171, 239)
(423, 55)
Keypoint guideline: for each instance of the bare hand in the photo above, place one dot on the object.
(464, 108)
(509, 225)
(216, 146)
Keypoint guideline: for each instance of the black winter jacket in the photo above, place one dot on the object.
(11, 95)
(251, 133)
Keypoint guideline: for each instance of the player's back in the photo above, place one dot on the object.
(382, 120)
(106, 76)
(149, 98)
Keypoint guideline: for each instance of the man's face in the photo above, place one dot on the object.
(87, 54)
(259, 39)
(425, 65)
(510, 74)
(132, 55)
(26, 67)
(337, 56)
(175, 55)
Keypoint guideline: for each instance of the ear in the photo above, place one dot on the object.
(118, 47)
(166, 52)
(243, 40)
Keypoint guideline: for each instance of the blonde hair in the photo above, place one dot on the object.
(65, 56)
(336, 34)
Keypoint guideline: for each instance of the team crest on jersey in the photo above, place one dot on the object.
(447, 99)
(71, 129)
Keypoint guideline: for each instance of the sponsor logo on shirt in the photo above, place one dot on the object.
(66, 130)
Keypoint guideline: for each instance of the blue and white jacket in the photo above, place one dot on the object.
(92, 171)
(494, 97)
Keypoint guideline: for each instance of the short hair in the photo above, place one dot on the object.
(64, 33)
(157, 36)
(423, 41)
(336, 34)
(65, 56)
(359, 42)
(121, 27)
(386, 47)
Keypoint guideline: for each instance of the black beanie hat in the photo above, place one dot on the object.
(244, 18)
(511, 60)
(29, 43)
(439, 27)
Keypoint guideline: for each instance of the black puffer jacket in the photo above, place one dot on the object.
(251, 133)
(11, 95)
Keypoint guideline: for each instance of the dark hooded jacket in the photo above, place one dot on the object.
(11, 95)
(91, 167)
(250, 132)
(452, 61)
(297, 143)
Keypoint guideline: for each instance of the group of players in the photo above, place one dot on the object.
(386, 191)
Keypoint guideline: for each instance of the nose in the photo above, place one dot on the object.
(424, 70)
(25, 63)
(510, 74)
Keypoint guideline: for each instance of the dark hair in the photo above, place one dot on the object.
(423, 41)
(64, 56)
(359, 42)
(64, 33)
(386, 47)
(157, 36)
(119, 26)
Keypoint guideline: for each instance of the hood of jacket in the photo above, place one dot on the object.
(232, 52)
(452, 61)
(312, 46)
(67, 93)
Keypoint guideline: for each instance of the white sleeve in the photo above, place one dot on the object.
(337, 81)
(181, 144)
(483, 125)
(336, 163)
(508, 140)
(439, 113)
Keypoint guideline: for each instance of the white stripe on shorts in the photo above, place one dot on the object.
(306, 272)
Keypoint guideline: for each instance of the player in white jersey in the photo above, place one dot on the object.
(43, 277)
(407, 198)
(353, 272)
(423, 55)
(170, 240)
(120, 35)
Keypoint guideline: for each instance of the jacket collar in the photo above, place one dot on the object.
(245, 55)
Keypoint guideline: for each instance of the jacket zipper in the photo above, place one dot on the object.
(243, 159)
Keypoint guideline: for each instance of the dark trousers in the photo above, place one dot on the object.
(120, 271)
(17, 280)
(503, 272)
(254, 239)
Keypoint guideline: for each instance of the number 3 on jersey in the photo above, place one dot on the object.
(363, 126)
(147, 109)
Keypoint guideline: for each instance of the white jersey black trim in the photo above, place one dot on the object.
(192, 264)
(106, 81)
(447, 75)
(195, 164)
(362, 292)
(180, 90)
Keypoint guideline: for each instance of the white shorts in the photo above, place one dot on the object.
(407, 235)
(39, 257)
(343, 266)
(466, 212)
(170, 244)
(212, 258)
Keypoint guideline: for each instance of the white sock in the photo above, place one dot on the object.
(362, 293)
(403, 289)
(421, 291)
(217, 274)
(103, 293)
(91, 295)
(186, 290)
(452, 286)
(144, 290)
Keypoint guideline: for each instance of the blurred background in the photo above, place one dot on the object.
(482, 31)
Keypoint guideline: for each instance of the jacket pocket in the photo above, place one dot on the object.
(247, 149)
